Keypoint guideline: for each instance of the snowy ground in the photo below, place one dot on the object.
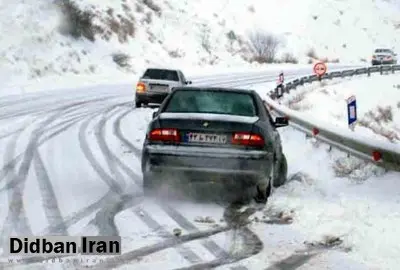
(71, 166)
(378, 104)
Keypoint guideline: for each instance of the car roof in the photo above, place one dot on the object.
(159, 68)
(383, 49)
(221, 89)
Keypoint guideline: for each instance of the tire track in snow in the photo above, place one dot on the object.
(64, 126)
(120, 136)
(210, 245)
(253, 245)
(49, 198)
(16, 185)
(60, 224)
(107, 199)
(3, 171)
(104, 219)
(48, 107)
(10, 133)
(187, 253)
(112, 161)
(16, 216)
(293, 261)
(98, 168)
(248, 237)
(10, 223)
(127, 257)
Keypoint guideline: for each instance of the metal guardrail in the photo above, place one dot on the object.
(383, 154)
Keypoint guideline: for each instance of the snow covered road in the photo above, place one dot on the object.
(71, 166)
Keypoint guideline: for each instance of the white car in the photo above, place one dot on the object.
(384, 57)
(156, 84)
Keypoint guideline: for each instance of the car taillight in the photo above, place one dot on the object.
(140, 87)
(164, 135)
(250, 139)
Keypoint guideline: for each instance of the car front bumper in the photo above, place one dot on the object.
(207, 164)
(382, 62)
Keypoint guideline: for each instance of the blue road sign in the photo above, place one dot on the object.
(351, 111)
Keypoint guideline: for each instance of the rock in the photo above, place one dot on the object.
(177, 232)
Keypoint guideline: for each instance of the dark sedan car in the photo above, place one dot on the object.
(215, 135)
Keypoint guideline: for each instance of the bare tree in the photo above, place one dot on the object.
(264, 46)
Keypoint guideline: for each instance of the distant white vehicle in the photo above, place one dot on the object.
(384, 57)
(156, 84)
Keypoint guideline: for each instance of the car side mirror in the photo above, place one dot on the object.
(154, 114)
(281, 122)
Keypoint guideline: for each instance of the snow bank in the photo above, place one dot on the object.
(359, 206)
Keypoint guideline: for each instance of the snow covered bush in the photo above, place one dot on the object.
(76, 23)
(289, 58)
(264, 46)
(376, 120)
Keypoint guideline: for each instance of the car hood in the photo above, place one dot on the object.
(383, 54)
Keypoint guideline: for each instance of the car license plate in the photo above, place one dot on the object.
(206, 138)
(158, 88)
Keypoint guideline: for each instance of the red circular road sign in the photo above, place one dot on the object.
(319, 69)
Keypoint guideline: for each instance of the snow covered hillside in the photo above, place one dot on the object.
(114, 39)
(378, 104)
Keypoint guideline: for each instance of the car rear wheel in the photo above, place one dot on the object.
(281, 175)
(264, 191)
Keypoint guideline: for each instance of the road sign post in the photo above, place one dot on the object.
(279, 86)
(351, 112)
(320, 70)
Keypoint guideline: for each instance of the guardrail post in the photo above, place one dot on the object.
(381, 69)
(369, 72)
(392, 69)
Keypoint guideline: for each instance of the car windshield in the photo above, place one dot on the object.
(161, 74)
(383, 51)
(217, 102)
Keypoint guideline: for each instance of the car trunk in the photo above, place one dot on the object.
(207, 130)
(159, 86)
